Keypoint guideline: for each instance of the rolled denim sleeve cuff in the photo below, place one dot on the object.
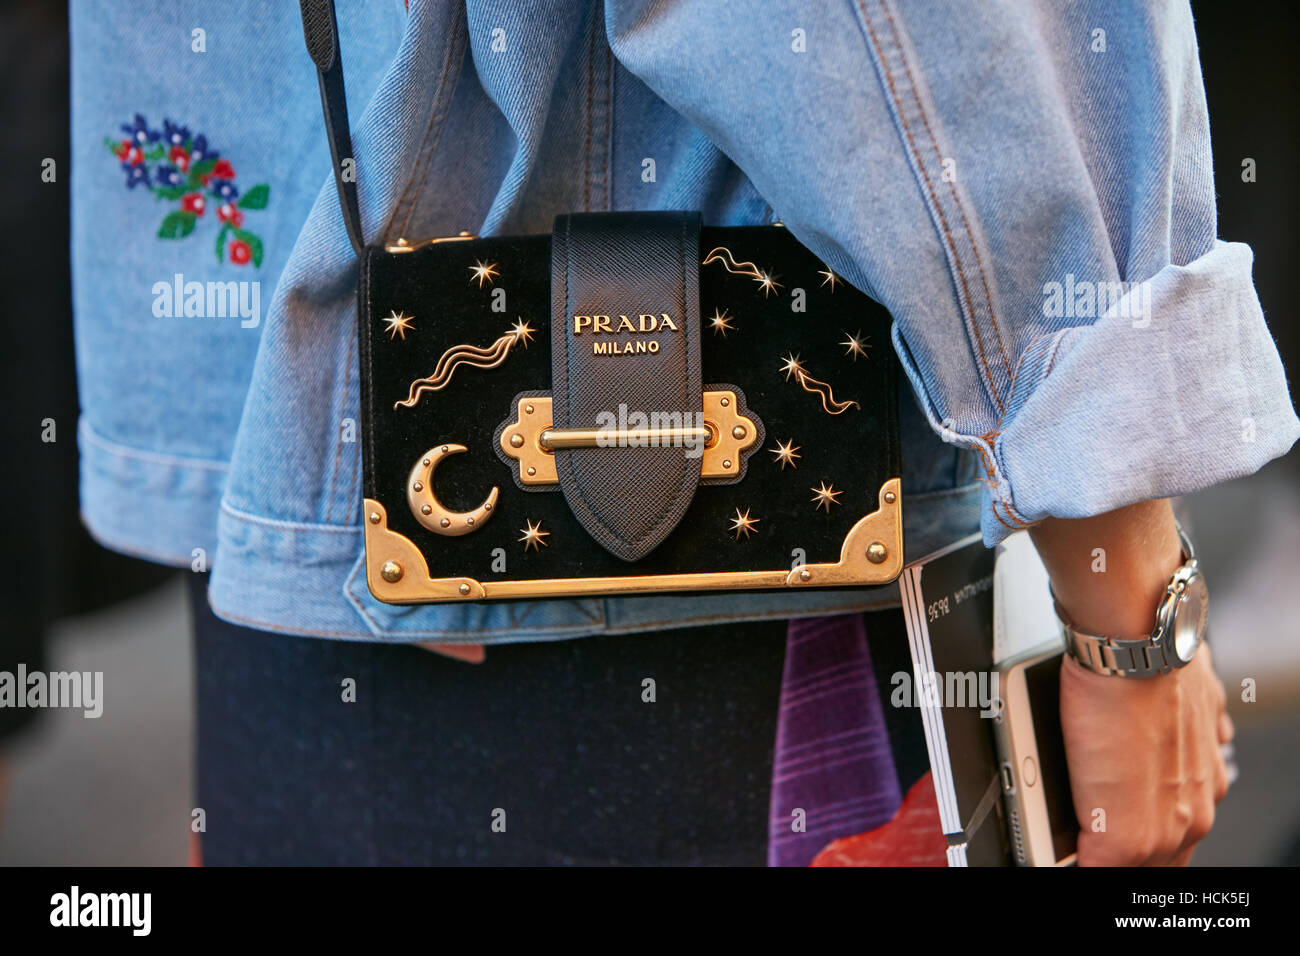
(1175, 388)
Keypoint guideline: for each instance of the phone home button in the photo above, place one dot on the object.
(1029, 772)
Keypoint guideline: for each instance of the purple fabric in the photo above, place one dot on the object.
(833, 758)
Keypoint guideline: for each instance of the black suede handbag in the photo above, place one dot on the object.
(668, 406)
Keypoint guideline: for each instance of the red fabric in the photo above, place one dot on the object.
(469, 653)
(913, 837)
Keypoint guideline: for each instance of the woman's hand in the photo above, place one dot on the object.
(1145, 760)
(1146, 767)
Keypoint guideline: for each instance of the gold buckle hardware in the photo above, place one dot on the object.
(531, 441)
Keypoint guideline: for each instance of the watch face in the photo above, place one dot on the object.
(1190, 614)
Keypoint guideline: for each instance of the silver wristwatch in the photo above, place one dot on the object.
(1179, 631)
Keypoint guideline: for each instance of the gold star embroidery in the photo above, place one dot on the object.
(484, 272)
(398, 324)
(791, 366)
(720, 322)
(533, 536)
(825, 495)
(523, 332)
(786, 453)
(856, 345)
(767, 282)
(743, 524)
(831, 278)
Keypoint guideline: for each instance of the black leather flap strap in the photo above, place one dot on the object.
(320, 30)
(625, 340)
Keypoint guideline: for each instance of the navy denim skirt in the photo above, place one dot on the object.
(313, 751)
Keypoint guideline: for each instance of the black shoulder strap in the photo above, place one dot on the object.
(321, 31)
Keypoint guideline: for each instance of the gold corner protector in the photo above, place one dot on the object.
(871, 555)
(396, 571)
(872, 552)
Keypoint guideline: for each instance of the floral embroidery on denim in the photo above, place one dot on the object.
(175, 164)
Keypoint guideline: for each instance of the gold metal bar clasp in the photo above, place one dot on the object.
(557, 438)
(530, 439)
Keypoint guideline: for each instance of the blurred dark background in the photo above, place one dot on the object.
(118, 790)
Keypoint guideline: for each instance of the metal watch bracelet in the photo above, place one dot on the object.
(1148, 656)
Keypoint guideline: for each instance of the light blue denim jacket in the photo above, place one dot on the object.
(1027, 187)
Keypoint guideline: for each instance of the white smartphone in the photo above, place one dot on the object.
(1041, 821)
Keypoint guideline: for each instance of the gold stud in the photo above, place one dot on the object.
(516, 440)
(464, 589)
(877, 552)
(786, 453)
(418, 486)
(720, 322)
(767, 282)
(398, 324)
(528, 409)
(738, 432)
(522, 332)
(374, 517)
(791, 366)
(391, 572)
(743, 524)
(533, 536)
(483, 272)
(426, 509)
(890, 497)
(855, 345)
(805, 575)
(825, 496)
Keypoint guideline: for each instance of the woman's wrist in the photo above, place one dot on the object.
(1109, 571)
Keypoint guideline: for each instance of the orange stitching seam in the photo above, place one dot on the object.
(952, 188)
(929, 187)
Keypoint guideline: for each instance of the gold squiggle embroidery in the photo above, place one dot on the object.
(472, 355)
(724, 255)
(819, 388)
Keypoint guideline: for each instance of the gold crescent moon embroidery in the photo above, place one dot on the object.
(426, 507)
